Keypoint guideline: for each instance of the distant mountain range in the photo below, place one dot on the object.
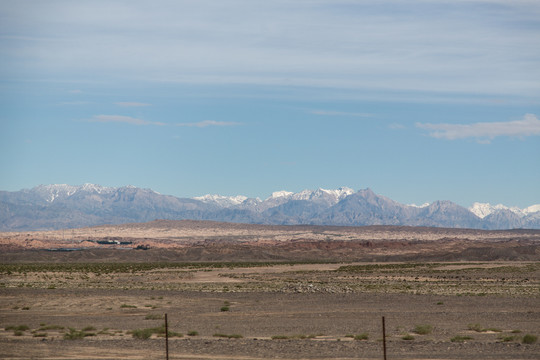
(47, 207)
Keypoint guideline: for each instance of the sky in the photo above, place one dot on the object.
(418, 100)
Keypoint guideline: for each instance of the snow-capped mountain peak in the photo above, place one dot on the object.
(53, 206)
(54, 191)
(532, 209)
(226, 201)
(280, 194)
(484, 209)
(424, 205)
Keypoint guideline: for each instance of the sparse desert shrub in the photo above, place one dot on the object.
(89, 328)
(460, 338)
(193, 333)
(407, 337)
(225, 308)
(363, 336)
(476, 327)
(508, 338)
(423, 329)
(516, 331)
(171, 334)
(147, 333)
(529, 339)
(51, 327)
(74, 334)
(142, 333)
(154, 317)
(232, 336)
(280, 337)
(18, 333)
(17, 327)
(40, 334)
(126, 306)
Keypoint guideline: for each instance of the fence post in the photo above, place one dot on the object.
(166, 338)
(384, 338)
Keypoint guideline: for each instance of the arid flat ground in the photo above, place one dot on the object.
(479, 302)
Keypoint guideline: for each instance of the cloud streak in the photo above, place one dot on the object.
(124, 119)
(484, 131)
(419, 46)
(206, 123)
(135, 121)
(132, 104)
(339, 113)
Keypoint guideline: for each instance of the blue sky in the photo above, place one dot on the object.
(417, 100)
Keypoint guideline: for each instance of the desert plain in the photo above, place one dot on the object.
(235, 291)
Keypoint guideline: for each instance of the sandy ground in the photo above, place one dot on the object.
(302, 311)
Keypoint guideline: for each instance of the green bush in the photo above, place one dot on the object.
(74, 334)
(193, 333)
(232, 336)
(423, 329)
(126, 306)
(363, 336)
(529, 339)
(142, 333)
(508, 338)
(407, 337)
(17, 328)
(476, 327)
(154, 317)
(50, 327)
(460, 338)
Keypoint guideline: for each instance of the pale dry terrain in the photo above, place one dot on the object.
(285, 293)
(212, 241)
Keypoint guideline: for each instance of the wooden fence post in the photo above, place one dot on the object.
(384, 338)
(166, 338)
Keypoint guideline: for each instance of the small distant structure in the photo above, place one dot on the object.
(108, 242)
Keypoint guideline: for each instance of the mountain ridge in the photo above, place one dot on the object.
(55, 206)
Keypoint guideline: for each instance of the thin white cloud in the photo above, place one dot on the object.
(207, 123)
(339, 113)
(132, 104)
(135, 121)
(484, 132)
(396, 126)
(123, 119)
(423, 46)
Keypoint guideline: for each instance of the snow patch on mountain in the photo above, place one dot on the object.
(226, 201)
(484, 209)
(420, 206)
(280, 194)
(532, 209)
(52, 192)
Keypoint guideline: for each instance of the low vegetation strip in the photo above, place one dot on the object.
(120, 267)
